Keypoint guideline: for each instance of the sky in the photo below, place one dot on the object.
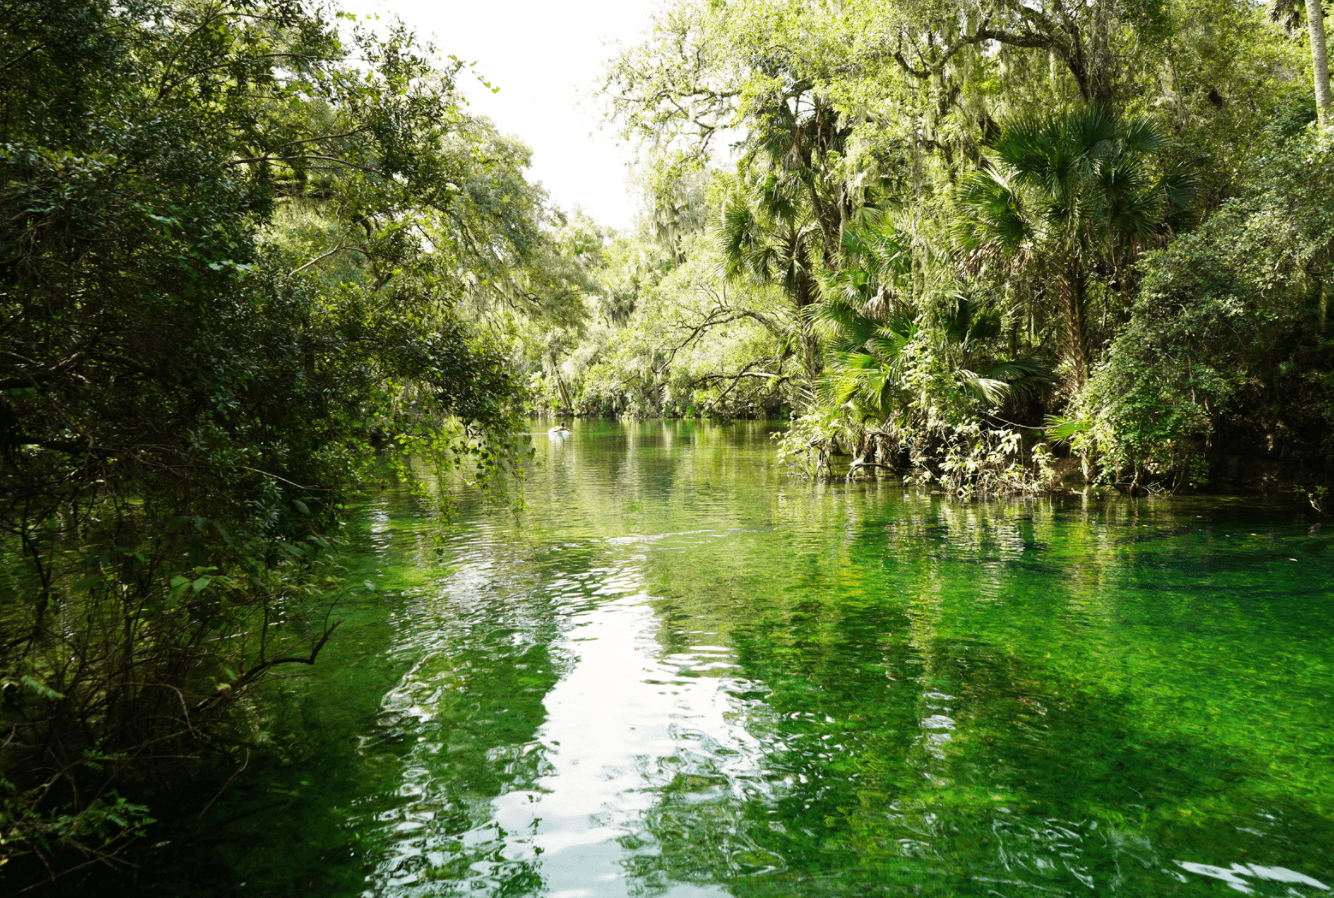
(545, 57)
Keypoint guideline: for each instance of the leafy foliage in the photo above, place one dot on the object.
(1228, 333)
(1069, 194)
(954, 197)
(235, 244)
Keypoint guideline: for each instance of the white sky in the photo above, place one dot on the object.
(545, 56)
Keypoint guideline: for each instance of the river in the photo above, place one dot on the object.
(679, 672)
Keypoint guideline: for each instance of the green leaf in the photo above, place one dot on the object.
(41, 688)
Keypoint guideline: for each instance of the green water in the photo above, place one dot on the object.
(680, 673)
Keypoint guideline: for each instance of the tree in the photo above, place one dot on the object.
(1315, 23)
(766, 237)
(694, 343)
(1289, 14)
(1223, 356)
(232, 247)
(1032, 152)
(1074, 196)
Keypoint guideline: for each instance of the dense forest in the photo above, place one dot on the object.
(992, 246)
(259, 257)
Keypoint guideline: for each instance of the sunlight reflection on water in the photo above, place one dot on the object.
(626, 722)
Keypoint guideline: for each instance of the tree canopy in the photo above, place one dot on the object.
(967, 204)
(240, 242)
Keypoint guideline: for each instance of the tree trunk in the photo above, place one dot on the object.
(1315, 21)
(564, 394)
(1071, 287)
(804, 295)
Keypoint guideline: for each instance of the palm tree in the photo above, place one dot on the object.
(865, 319)
(768, 237)
(784, 221)
(1072, 195)
(868, 322)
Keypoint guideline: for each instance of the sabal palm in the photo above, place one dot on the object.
(767, 237)
(783, 221)
(1067, 194)
(797, 137)
(868, 325)
(863, 319)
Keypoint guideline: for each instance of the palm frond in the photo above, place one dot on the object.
(1062, 430)
(1088, 133)
(1139, 136)
(889, 341)
(989, 390)
(738, 236)
(843, 327)
(1023, 376)
(860, 382)
(986, 325)
(994, 214)
(1180, 188)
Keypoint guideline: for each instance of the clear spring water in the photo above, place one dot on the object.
(680, 673)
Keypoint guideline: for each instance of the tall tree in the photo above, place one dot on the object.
(1069, 195)
(1315, 23)
(1289, 14)
(767, 236)
(232, 241)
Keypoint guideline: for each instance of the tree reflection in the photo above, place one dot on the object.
(995, 699)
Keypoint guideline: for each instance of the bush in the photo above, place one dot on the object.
(1226, 336)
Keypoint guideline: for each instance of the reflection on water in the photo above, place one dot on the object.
(677, 673)
(1242, 878)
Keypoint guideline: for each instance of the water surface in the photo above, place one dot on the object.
(680, 673)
